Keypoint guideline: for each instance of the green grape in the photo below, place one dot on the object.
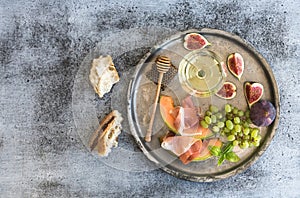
(223, 119)
(208, 113)
(219, 115)
(256, 144)
(213, 119)
(235, 142)
(249, 120)
(254, 133)
(229, 116)
(240, 134)
(213, 109)
(246, 124)
(226, 130)
(215, 129)
(247, 137)
(240, 113)
(244, 144)
(246, 131)
(236, 120)
(207, 119)
(204, 124)
(257, 138)
(220, 124)
(233, 131)
(229, 124)
(247, 114)
(238, 128)
(227, 108)
(231, 138)
(235, 111)
(238, 138)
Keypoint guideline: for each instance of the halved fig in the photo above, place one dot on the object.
(193, 41)
(235, 63)
(228, 91)
(253, 92)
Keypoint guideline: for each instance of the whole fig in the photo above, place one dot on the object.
(262, 113)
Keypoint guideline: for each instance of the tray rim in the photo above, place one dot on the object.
(254, 157)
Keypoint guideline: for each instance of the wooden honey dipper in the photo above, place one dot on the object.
(163, 63)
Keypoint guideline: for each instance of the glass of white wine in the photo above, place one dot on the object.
(200, 73)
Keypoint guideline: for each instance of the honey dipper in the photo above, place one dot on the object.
(163, 63)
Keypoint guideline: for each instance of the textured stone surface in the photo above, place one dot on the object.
(42, 46)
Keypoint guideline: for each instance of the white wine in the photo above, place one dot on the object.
(200, 73)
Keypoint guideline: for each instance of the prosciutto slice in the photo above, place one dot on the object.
(188, 103)
(192, 153)
(178, 144)
(194, 131)
(186, 118)
(186, 148)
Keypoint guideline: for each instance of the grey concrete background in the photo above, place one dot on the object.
(42, 45)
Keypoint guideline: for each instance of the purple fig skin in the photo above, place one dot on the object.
(262, 113)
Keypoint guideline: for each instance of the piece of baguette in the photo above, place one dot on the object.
(106, 135)
(103, 75)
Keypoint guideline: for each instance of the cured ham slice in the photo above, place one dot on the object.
(174, 112)
(205, 146)
(192, 153)
(197, 130)
(190, 118)
(188, 103)
(187, 123)
(179, 120)
(168, 134)
(178, 144)
(187, 118)
(200, 151)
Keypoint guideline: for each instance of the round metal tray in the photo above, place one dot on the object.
(141, 97)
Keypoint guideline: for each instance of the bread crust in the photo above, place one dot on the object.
(106, 135)
(103, 75)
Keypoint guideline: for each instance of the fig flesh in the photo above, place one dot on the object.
(194, 41)
(235, 63)
(262, 113)
(253, 92)
(228, 91)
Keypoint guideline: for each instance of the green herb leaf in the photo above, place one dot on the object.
(221, 160)
(232, 157)
(228, 148)
(215, 151)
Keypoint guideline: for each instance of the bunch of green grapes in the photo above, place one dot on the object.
(232, 123)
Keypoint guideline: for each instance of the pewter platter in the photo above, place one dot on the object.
(141, 97)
